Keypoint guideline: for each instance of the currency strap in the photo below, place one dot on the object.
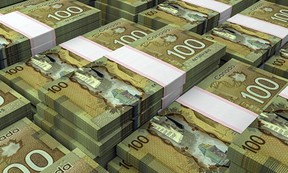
(218, 109)
(284, 93)
(262, 26)
(42, 37)
(225, 10)
(166, 75)
(85, 48)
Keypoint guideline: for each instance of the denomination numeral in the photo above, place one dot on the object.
(127, 39)
(30, 163)
(137, 144)
(281, 16)
(58, 15)
(254, 144)
(14, 70)
(125, 164)
(58, 87)
(262, 88)
(187, 49)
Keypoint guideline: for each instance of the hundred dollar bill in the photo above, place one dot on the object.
(247, 86)
(118, 165)
(75, 161)
(182, 49)
(100, 96)
(261, 151)
(171, 144)
(79, 15)
(13, 106)
(251, 46)
(59, 61)
(278, 64)
(118, 33)
(24, 146)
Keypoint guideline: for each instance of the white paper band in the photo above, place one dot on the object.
(218, 109)
(85, 48)
(261, 26)
(38, 33)
(166, 101)
(284, 93)
(154, 69)
(225, 10)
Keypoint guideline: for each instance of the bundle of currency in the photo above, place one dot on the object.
(255, 34)
(174, 142)
(54, 123)
(61, 60)
(281, 2)
(57, 21)
(118, 165)
(13, 106)
(128, 9)
(25, 147)
(4, 3)
(249, 95)
(113, 93)
(278, 64)
(261, 148)
(196, 16)
(111, 13)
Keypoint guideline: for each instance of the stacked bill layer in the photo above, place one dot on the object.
(13, 106)
(50, 23)
(254, 34)
(197, 16)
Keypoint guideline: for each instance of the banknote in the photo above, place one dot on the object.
(99, 94)
(25, 147)
(244, 85)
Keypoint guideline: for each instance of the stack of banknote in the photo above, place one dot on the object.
(68, 18)
(61, 60)
(177, 140)
(13, 106)
(28, 76)
(263, 96)
(26, 147)
(4, 3)
(278, 64)
(255, 34)
(196, 16)
(114, 9)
